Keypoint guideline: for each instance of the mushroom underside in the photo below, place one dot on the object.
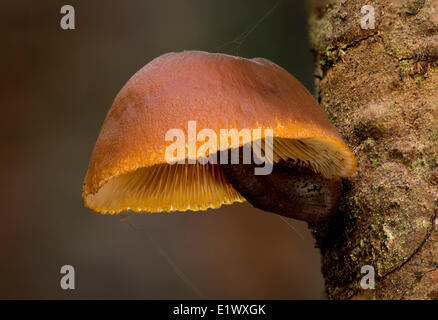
(290, 190)
(305, 173)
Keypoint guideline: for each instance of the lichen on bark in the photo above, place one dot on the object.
(380, 88)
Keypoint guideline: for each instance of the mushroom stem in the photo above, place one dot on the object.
(290, 190)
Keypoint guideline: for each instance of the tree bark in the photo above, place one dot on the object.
(380, 88)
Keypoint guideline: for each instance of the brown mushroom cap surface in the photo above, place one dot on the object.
(128, 171)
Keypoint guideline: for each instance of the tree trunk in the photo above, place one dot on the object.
(380, 88)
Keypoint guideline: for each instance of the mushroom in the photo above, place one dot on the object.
(128, 168)
(291, 190)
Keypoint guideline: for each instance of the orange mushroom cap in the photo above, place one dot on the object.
(128, 170)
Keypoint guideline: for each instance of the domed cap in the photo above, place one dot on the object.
(128, 168)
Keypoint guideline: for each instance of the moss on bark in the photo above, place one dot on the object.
(380, 88)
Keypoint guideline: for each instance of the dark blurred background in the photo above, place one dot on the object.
(57, 86)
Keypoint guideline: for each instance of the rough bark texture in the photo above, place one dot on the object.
(380, 88)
